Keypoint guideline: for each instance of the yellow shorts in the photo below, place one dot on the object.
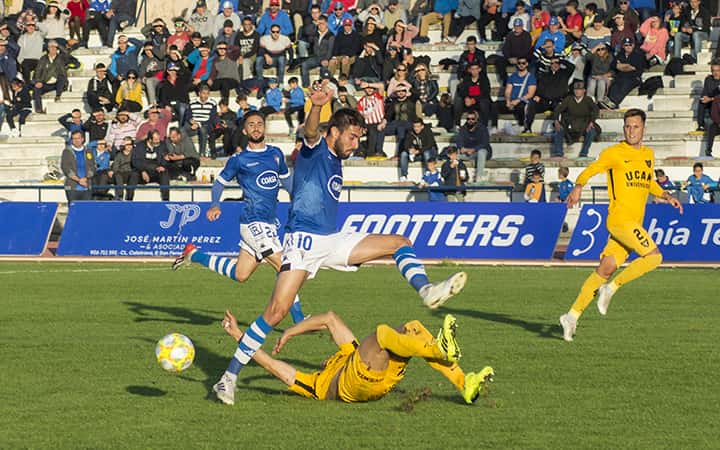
(358, 383)
(315, 385)
(627, 237)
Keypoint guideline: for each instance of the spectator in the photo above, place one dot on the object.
(655, 41)
(419, 145)
(295, 104)
(473, 94)
(629, 66)
(97, 19)
(129, 94)
(20, 106)
(344, 100)
(122, 169)
(8, 66)
(373, 15)
(372, 107)
(272, 52)
(471, 54)
(398, 81)
(308, 32)
(394, 12)
(31, 49)
(424, 91)
(492, 14)
(520, 14)
(322, 46)
(156, 34)
(78, 165)
(535, 165)
(273, 98)
(445, 112)
(673, 20)
(473, 142)
(181, 36)
(454, 174)
(53, 23)
(710, 92)
(517, 44)
(572, 25)
(72, 122)
(200, 20)
(76, 22)
(390, 62)
(99, 92)
(103, 172)
(200, 118)
(399, 116)
(346, 48)
(519, 91)
(239, 140)
(248, 41)
(124, 125)
(543, 55)
(181, 159)
(695, 28)
(534, 189)
(227, 13)
(369, 65)
(601, 63)
(539, 21)
(124, 58)
(596, 35)
(620, 33)
(337, 18)
(297, 9)
(249, 7)
(401, 35)
(173, 90)
(224, 74)
(553, 34)
(552, 88)
(149, 164)
(631, 19)
(202, 62)
(714, 128)
(122, 15)
(157, 120)
(96, 126)
(663, 180)
(50, 75)
(272, 17)
(432, 178)
(150, 71)
(225, 127)
(565, 186)
(574, 117)
(699, 186)
(227, 35)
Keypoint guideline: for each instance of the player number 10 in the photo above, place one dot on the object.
(304, 242)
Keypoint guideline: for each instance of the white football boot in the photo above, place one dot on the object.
(569, 325)
(225, 390)
(605, 294)
(435, 295)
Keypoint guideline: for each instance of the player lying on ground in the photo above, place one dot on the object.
(629, 168)
(260, 169)
(312, 240)
(365, 371)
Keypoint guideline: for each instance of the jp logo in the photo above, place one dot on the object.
(334, 186)
(589, 233)
(187, 213)
(267, 180)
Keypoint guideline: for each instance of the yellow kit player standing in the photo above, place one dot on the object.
(629, 168)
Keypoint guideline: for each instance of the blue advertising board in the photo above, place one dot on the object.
(438, 230)
(25, 227)
(691, 237)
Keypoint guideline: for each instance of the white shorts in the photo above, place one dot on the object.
(260, 239)
(311, 252)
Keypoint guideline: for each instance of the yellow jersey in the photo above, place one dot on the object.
(630, 178)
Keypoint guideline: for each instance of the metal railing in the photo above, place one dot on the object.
(675, 192)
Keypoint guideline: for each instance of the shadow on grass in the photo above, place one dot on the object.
(145, 391)
(177, 314)
(544, 330)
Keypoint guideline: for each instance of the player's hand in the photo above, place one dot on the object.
(229, 324)
(281, 343)
(322, 96)
(675, 203)
(213, 213)
(145, 177)
(574, 197)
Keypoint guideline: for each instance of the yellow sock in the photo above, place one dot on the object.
(587, 294)
(451, 371)
(638, 268)
(407, 345)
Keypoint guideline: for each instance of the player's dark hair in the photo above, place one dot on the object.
(346, 117)
(536, 152)
(250, 114)
(563, 171)
(292, 80)
(635, 112)
(698, 165)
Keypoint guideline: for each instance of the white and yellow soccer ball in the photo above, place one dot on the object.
(175, 352)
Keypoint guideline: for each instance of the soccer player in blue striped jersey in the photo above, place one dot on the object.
(259, 170)
(311, 238)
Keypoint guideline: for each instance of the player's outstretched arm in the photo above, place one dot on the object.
(657, 191)
(330, 321)
(318, 98)
(603, 163)
(214, 212)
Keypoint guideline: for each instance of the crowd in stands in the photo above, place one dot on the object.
(572, 59)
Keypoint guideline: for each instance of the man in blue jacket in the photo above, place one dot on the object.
(124, 58)
(554, 34)
(275, 16)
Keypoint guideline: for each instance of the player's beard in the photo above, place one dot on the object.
(259, 140)
(340, 150)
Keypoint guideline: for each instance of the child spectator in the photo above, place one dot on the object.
(295, 104)
(534, 166)
(122, 169)
(534, 188)
(21, 107)
(432, 177)
(664, 182)
(565, 186)
(273, 98)
(454, 174)
(699, 185)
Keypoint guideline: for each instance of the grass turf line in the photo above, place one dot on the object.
(78, 366)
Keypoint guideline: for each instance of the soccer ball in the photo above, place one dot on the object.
(175, 352)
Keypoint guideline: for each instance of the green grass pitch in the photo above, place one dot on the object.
(77, 365)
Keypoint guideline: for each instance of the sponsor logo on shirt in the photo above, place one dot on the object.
(334, 186)
(267, 180)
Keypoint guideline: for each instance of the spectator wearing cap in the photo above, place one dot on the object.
(272, 53)
(226, 36)
(322, 46)
(173, 90)
(695, 29)
(129, 94)
(200, 118)
(521, 13)
(346, 48)
(151, 71)
(629, 65)
(424, 91)
(53, 23)
(202, 62)
(97, 19)
(631, 18)
(31, 49)
(194, 44)
(50, 75)
(157, 34)
(394, 12)
(181, 36)
(553, 34)
(620, 32)
(100, 92)
(224, 75)
(78, 165)
(20, 106)
(122, 15)
(601, 63)
(77, 9)
(274, 16)
(200, 20)
(442, 11)
(552, 88)
(337, 18)
(124, 58)
(467, 12)
(473, 94)
(227, 13)
(248, 43)
(574, 117)
(273, 98)
(655, 40)
(157, 119)
(596, 35)
(517, 44)
(124, 125)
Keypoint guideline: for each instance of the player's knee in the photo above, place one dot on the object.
(655, 257)
(400, 241)
(275, 313)
(241, 276)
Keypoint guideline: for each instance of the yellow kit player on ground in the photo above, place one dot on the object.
(629, 166)
(365, 371)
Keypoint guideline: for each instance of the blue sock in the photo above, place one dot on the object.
(223, 266)
(251, 341)
(296, 311)
(411, 268)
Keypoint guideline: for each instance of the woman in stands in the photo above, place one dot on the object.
(399, 79)
(77, 9)
(372, 33)
(655, 43)
(402, 35)
(53, 24)
(424, 91)
(129, 94)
